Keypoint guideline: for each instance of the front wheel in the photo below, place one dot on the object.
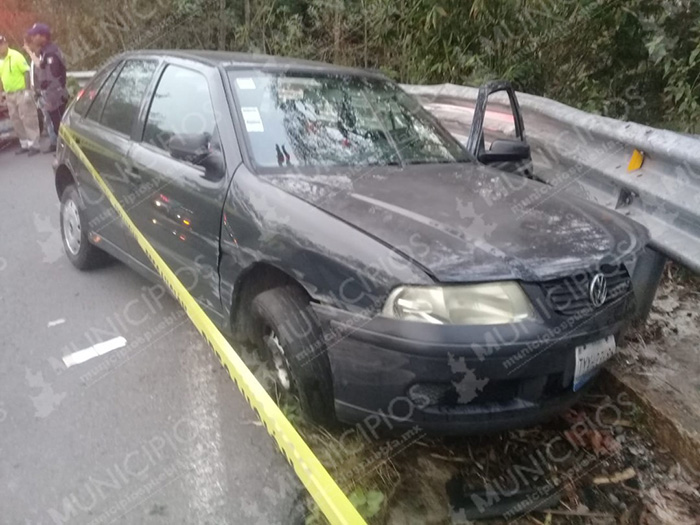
(74, 233)
(291, 338)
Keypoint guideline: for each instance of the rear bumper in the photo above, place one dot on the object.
(454, 379)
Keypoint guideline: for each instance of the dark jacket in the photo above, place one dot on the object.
(52, 76)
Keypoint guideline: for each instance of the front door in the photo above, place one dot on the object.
(502, 143)
(178, 167)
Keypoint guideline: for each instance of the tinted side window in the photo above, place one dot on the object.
(125, 99)
(181, 106)
(96, 108)
(89, 93)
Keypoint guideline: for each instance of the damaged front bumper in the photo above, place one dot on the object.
(395, 374)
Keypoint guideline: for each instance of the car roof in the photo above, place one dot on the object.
(234, 59)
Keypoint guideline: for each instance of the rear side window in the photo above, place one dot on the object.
(89, 93)
(181, 106)
(95, 110)
(124, 100)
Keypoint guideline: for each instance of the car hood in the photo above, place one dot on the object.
(466, 222)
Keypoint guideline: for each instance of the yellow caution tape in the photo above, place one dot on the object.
(323, 489)
(636, 161)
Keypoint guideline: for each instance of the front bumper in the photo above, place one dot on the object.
(456, 379)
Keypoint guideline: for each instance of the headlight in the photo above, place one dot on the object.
(473, 304)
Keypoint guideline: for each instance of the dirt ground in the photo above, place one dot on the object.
(595, 465)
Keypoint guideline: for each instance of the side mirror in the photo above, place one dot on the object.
(505, 151)
(214, 166)
(190, 147)
(196, 149)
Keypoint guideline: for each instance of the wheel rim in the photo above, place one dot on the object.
(71, 227)
(279, 360)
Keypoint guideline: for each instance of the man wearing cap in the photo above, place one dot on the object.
(14, 77)
(35, 80)
(52, 74)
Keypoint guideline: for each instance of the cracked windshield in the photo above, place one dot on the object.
(337, 121)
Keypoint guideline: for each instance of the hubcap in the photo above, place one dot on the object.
(71, 227)
(279, 360)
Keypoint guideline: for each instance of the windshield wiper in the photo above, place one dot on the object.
(388, 163)
(431, 161)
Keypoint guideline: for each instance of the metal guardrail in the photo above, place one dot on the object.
(588, 155)
(82, 77)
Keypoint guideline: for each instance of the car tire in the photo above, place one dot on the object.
(291, 338)
(80, 251)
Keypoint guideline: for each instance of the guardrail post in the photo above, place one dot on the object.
(645, 280)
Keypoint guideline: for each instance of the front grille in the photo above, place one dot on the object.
(570, 295)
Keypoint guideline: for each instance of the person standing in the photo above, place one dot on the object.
(14, 77)
(52, 75)
(38, 97)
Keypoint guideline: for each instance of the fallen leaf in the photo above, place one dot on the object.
(618, 477)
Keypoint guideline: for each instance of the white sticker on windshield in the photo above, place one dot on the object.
(252, 120)
(245, 83)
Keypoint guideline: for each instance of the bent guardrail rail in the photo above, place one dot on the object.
(588, 155)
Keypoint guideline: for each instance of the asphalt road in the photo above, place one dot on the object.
(154, 432)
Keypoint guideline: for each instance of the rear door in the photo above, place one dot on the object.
(104, 135)
(84, 121)
(178, 166)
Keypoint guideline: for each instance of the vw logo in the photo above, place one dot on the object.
(598, 290)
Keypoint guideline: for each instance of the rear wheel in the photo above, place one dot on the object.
(74, 233)
(291, 339)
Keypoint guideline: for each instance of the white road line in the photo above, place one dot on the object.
(55, 323)
(96, 350)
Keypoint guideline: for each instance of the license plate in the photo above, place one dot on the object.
(590, 357)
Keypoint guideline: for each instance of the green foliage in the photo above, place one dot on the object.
(367, 502)
(633, 59)
(674, 48)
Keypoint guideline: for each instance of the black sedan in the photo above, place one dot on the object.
(386, 273)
